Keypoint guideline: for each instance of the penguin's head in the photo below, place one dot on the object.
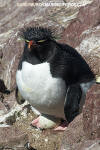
(39, 42)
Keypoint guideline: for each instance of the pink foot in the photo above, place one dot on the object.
(61, 127)
(35, 123)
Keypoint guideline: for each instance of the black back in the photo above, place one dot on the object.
(69, 65)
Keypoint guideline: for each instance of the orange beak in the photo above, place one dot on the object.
(30, 43)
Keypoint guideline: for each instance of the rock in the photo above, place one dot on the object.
(77, 25)
(91, 145)
(85, 127)
(90, 48)
(12, 138)
(1, 54)
(91, 113)
(3, 88)
(2, 109)
(29, 147)
(83, 34)
(11, 119)
(74, 134)
(7, 103)
(9, 116)
(88, 17)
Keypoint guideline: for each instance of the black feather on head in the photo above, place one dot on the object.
(36, 33)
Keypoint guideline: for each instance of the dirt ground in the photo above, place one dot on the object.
(40, 139)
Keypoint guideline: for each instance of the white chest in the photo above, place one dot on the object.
(37, 85)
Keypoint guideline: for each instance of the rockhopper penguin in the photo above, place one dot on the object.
(52, 77)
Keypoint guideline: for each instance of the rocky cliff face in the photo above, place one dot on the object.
(77, 24)
(84, 132)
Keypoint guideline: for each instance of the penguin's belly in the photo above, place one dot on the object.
(45, 93)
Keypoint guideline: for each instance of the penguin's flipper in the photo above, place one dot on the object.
(20, 100)
(72, 102)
